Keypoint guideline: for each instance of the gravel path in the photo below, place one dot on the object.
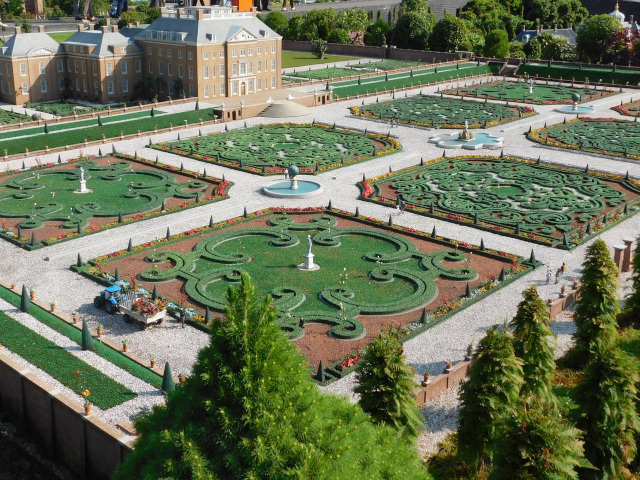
(47, 269)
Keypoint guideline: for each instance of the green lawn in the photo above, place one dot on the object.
(300, 59)
(61, 36)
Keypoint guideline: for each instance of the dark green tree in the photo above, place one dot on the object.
(534, 444)
(87, 338)
(597, 304)
(376, 33)
(412, 31)
(607, 413)
(421, 7)
(351, 19)
(277, 22)
(25, 300)
(594, 35)
(251, 410)
(495, 380)
(385, 384)
(631, 311)
(448, 34)
(531, 344)
(318, 47)
(496, 44)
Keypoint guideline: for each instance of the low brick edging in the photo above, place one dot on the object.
(86, 445)
(439, 383)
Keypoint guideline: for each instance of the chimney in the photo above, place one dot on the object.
(114, 28)
(199, 14)
(630, 18)
(555, 27)
(40, 28)
(570, 26)
(137, 24)
(18, 29)
(234, 9)
(91, 26)
(129, 25)
(180, 13)
(524, 27)
(254, 11)
(108, 21)
(104, 28)
(80, 27)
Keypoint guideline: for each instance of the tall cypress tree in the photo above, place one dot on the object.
(385, 384)
(632, 307)
(597, 305)
(531, 344)
(607, 398)
(490, 393)
(250, 410)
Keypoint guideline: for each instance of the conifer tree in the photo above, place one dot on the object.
(632, 306)
(25, 300)
(87, 338)
(493, 387)
(385, 384)
(597, 305)
(531, 344)
(250, 410)
(534, 444)
(606, 398)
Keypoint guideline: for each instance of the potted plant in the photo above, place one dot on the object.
(182, 377)
(53, 306)
(152, 361)
(426, 377)
(75, 317)
(470, 349)
(13, 286)
(87, 402)
(100, 330)
(32, 293)
(563, 289)
(125, 345)
(448, 366)
(576, 283)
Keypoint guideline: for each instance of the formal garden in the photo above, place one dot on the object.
(371, 274)
(589, 75)
(66, 108)
(536, 93)
(49, 203)
(270, 149)
(603, 136)
(441, 112)
(547, 204)
(8, 117)
(630, 109)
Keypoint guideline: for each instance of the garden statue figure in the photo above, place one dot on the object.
(309, 244)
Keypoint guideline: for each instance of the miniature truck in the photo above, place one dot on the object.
(134, 307)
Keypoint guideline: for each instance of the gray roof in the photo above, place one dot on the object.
(26, 44)
(101, 40)
(210, 30)
(567, 33)
(133, 31)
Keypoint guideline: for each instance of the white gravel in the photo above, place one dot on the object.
(48, 271)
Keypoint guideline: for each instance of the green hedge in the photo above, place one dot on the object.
(62, 365)
(75, 334)
(581, 74)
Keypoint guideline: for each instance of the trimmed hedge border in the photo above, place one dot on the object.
(601, 223)
(418, 326)
(221, 194)
(68, 369)
(75, 334)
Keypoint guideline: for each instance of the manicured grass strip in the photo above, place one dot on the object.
(373, 85)
(75, 334)
(73, 137)
(594, 75)
(60, 127)
(62, 365)
(300, 59)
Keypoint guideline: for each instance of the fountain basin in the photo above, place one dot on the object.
(283, 189)
(479, 140)
(574, 110)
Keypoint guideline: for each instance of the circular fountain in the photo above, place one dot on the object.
(575, 97)
(293, 188)
(467, 139)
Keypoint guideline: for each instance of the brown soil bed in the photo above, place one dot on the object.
(317, 344)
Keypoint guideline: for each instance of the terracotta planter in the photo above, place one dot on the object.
(87, 409)
(75, 319)
(33, 295)
(469, 351)
(182, 378)
(125, 348)
(99, 332)
(13, 286)
(53, 308)
(153, 363)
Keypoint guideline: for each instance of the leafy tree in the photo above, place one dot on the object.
(250, 410)
(317, 23)
(516, 50)
(493, 387)
(296, 28)
(533, 48)
(352, 19)
(631, 311)
(606, 398)
(277, 22)
(593, 36)
(496, 44)
(318, 47)
(537, 445)
(448, 34)
(339, 35)
(412, 31)
(597, 305)
(552, 12)
(420, 7)
(531, 345)
(385, 384)
(376, 33)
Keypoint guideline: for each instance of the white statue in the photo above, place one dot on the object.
(309, 244)
(81, 174)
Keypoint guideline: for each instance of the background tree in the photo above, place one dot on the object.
(533, 48)
(597, 304)
(531, 344)
(250, 410)
(593, 36)
(607, 398)
(421, 7)
(449, 34)
(385, 384)
(412, 31)
(318, 47)
(496, 44)
(631, 312)
(277, 22)
(296, 28)
(376, 33)
(490, 393)
(352, 19)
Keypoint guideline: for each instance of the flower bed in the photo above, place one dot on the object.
(370, 274)
(40, 206)
(511, 196)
